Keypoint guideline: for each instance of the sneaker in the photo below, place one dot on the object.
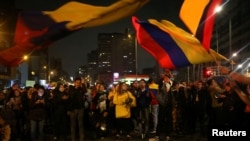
(153, 132)
(117, 137)
(128, 137)
(168, 138)
(143, 136)
(156, 138)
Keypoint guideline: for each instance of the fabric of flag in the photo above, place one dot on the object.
(153, 87)
(199, 17)
(171, 46)
(191, 13)
(36, 30)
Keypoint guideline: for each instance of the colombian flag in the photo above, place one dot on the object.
(199, 17)
(36, 30)
(171, 46)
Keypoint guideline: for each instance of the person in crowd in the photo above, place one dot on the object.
(60, 100)
(76, 108)
(232, 107)
(101, 102)
(143, 101)
(123, 101)
(177, 99)
(199, 100)
(33, 89)
(87, 104)
(2, 100)
(134, 88)
(38, 114)
(165, 107)
(94, 91)
(5, 129)
(26, 96)
(49, 108)
(185, 106)
(215, 92)
(240, 78)
(154, 88)
(15, 103)
(11, 91)
(234, 75)
(111, 110)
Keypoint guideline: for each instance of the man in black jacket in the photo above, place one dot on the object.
(76, 108)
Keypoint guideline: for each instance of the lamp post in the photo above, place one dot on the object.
(230, 41)
(218, 10)
(21, 70)
(49, 76)
(136, 58)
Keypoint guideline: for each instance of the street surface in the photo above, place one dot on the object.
(193, 137)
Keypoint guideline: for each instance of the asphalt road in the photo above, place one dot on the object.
(187, 137)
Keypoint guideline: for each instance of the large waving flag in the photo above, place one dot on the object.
(35, 30)
(171, 46)
(199, 17)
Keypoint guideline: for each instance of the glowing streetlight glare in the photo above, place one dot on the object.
(129, 36)
(234, 54)
(218, 9)
(25, 57)
(240, 66)
(33, 73)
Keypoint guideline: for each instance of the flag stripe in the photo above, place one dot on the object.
(190, 45)
(199, 17)
(36, 30)
(205, 30)
(176, 55)
(145, 40)
(180, 48)
(191, 13)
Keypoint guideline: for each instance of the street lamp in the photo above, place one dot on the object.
(49, 76)
(21, 70)
(218, 9)
(136, 58)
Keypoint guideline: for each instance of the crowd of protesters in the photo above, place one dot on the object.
(159, 108)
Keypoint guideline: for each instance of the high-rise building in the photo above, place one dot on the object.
(116, 53)
(8, 15)
(232, 29)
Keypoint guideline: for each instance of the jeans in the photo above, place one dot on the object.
(33, 131)
(144, 120)
(155, 111)
(76, 116)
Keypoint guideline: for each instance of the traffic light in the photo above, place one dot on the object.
(207, 72)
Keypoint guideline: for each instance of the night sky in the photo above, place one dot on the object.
(73, 49)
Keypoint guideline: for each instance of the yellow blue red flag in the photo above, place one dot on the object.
(171, 46)
(36, 30)
(199, 17)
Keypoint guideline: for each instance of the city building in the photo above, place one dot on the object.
(116, 54)
(7, 25)
(232, 30)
